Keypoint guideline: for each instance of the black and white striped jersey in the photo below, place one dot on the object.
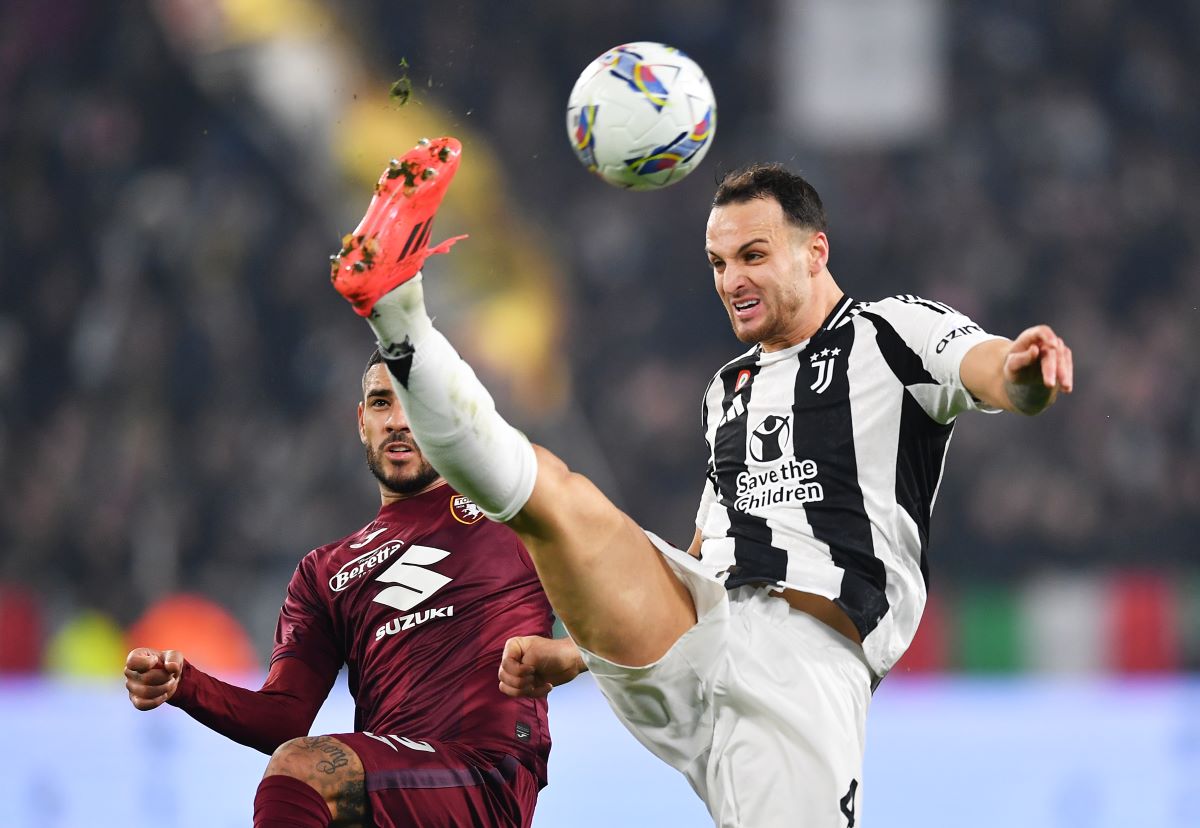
(825, 459)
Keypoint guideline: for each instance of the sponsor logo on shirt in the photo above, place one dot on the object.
(291, 634)
(769, 438)
(360, 566)
(413, 619)
(465, 510)
(413, 581)
(955, 334)
(789, 482)
(735, 409)
(368, 538)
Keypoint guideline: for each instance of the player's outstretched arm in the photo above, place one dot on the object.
(151, 676)
(284, 708)
(1024, 375)
(532, 665)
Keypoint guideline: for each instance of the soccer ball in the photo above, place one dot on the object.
(641, 116)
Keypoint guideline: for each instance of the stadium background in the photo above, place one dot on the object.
(177, 380)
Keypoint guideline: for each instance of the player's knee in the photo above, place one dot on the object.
(330, 767)
(302, 757)
(286, 758)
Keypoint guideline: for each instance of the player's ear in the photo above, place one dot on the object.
(362, 426)
(818, 247)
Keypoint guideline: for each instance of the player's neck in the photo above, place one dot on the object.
(388, 497)
(825, 298)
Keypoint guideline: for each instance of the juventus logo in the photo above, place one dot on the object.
(823, 361)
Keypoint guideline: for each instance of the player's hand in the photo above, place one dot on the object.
(532, 665)
(151, 676)
(1038, 365)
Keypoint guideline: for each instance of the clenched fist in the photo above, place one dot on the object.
(151, 676)
(533, 665)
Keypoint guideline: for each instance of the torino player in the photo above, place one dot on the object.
(418, 605)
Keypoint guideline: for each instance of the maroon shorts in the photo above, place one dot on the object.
(426, 784)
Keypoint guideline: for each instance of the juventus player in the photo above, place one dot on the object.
(747, 664)
(417, 604)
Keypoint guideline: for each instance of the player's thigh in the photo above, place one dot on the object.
(667, 705)
(790, 726)
(330, 766)
(608, 583)
(419, 783)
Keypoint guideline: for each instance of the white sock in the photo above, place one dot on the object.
(452, 416)
(400, 314)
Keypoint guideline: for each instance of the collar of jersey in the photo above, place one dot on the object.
(831, 321)
(771, 357)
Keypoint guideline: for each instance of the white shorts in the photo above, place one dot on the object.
(762, 707)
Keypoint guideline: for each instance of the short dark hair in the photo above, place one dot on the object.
(374, 359)
(799, 199)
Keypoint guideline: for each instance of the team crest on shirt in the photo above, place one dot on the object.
(823, 361)
(465, 510)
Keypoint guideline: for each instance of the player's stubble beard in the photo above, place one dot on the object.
(394, 480)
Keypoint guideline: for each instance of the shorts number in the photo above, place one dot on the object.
(411, 744)
(847, 802)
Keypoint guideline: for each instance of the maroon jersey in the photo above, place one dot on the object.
(418, 605)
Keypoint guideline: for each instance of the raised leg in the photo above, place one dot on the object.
(604, 578)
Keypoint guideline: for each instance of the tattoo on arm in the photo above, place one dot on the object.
(1029, 399)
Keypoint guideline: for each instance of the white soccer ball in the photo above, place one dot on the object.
(641, 116)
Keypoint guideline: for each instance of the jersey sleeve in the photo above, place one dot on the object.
(709, 406)
(305, 629)
(708, 498)
(263, 719)
(940, 337)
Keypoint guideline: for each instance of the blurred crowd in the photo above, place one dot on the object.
(178, 382)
